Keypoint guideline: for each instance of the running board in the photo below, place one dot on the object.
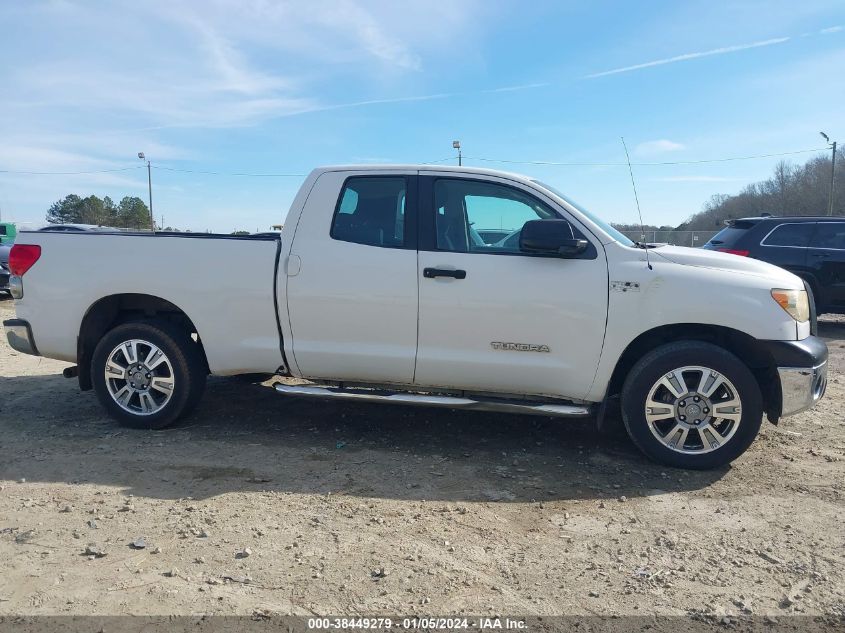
(430, 400)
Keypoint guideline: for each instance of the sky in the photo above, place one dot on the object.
(212, 89)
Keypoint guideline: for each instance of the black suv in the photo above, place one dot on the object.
(811, 247)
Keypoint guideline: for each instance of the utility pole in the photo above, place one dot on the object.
(457, 145)
(832, 179)
(832, 173)
(150, 189)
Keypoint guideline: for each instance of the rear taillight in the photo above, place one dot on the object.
(22, 257)
(733, 251)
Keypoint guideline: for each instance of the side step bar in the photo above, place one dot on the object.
(431, 400)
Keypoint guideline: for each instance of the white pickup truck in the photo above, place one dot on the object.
(451, 287)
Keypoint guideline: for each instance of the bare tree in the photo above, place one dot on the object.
(792, 190)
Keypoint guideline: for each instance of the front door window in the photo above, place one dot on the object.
(482, 217)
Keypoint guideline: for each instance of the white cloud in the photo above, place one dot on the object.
(660, 146)
(36, 158)
(369, 33)
(831, 29)
(227, 63)
(90, 86)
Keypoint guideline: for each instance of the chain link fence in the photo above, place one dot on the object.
(676, 238)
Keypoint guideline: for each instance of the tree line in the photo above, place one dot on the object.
(799, 190)
(791, 190)
(129, 213)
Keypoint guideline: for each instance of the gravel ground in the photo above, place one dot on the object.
(262, 504)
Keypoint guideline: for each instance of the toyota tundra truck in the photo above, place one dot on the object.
(451, 287)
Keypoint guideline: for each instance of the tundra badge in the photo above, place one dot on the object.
(519, 347)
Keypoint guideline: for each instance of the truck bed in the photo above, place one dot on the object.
(225, 284)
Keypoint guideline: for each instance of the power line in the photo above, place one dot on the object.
(223, 173)
(442, 160)
(67, 173)
(677, 162)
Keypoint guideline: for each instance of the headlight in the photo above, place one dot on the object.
(794, 302)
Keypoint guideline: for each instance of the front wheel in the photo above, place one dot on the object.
(147, 374)
(692, 405)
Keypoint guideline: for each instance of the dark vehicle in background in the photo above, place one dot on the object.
(811, 247)
(4, 268)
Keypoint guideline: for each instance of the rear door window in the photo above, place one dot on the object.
(829, 235)
(797, 235)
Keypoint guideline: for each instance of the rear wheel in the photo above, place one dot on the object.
(148, 374)
(692, 405)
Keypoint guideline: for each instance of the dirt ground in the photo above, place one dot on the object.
(264, 504)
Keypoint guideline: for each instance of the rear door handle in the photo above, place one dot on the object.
(431, 273)
(820, 254)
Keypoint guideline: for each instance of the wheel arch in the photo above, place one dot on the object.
(742, 345)
(817, 295)
(108, 312)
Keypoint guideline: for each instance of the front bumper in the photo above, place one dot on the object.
(19, 335)
(802, 370)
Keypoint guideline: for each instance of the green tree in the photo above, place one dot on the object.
(92, 211)
(67, 210)
(110, 211)
(132, 213)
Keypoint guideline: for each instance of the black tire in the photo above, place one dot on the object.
(666, 358)
(184, 357)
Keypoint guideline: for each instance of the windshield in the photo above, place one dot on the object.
(616, 235)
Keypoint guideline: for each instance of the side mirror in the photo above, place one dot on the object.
(550, 237)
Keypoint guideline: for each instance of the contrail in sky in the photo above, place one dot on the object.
(687, 56)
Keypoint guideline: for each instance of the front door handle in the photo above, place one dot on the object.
(431, 273)
(822, 254)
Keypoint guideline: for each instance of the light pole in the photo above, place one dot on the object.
(832, 172)
(457, 145)
(150, 189)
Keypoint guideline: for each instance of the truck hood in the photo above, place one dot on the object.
(729, 262)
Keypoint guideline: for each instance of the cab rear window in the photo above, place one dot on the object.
(371, 211)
